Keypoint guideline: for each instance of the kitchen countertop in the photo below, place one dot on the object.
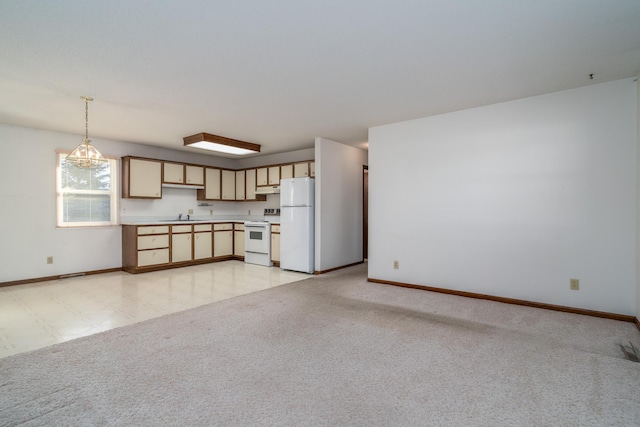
(156, 221)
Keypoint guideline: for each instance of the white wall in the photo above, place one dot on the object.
(637, 199)
(512, 199)
(338, 237)
(28, 205)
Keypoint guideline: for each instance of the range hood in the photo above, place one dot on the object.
(187, 186)
(268, 190)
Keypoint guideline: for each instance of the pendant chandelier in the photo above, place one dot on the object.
(86, 155)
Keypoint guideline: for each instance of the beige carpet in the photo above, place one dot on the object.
(334, 350)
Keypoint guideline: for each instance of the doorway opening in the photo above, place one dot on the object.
(365, 212)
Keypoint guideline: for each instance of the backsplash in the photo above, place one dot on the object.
(179, 200)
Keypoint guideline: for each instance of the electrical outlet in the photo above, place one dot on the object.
(49, 260)
(210, 211)
(574, 284)
(249, 212)
(190, 212)
(396, 264)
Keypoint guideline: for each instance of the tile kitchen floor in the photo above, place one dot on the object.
(40, 314)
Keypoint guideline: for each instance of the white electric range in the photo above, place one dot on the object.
(257, 242)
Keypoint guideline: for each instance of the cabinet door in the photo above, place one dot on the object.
(275, 247)
(153, 229)
(240, 189)
(300, 170)
(238, 243)
(286, 171)
(262, 177)
(153, 242)
(223, 226)
(228, 185)
(274, 175)
(250, 178)
(144, 178)
(181, 247)
(173, 173)
(153, 257)
(312, 169)
(222, 243)
(212, 184)
(202, 247)
(195, 175)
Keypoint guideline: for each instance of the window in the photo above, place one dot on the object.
(86, 197)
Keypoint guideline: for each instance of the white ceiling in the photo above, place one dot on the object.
(281, 72)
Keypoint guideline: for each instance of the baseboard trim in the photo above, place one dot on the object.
(47, 278)
(337, 268)
(594, 313)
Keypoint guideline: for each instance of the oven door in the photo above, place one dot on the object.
(256, 239)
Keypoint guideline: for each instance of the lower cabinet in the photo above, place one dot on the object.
(181, 247)
(202, 241)
(222, 240)
(275, 244)
(144, 247)
(157, 247)
(153, 257)
(238, 240)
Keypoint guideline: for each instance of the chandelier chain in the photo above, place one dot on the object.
(86, 116)
(86, 119)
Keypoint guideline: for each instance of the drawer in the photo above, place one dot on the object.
(275, 228)
(181, 229)
(153, 242)
(202, 227)
(153, 257)
(225, 226)
(238, 227)
(153, 229)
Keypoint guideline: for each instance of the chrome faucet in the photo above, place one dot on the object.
(180, 217)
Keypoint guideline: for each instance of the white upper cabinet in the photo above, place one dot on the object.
(250, 178)
(261, 177)
(173, 173)
(301, 170)
(195, 175)
(274, 175)
(144, 178)
(240, 185)
(178, 173)
(228, 185)
(141, 178)
(212, 184)
(286, 171)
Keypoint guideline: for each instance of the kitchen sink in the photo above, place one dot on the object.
(178, 220)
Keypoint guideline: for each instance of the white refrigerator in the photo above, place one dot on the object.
(297, 197)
